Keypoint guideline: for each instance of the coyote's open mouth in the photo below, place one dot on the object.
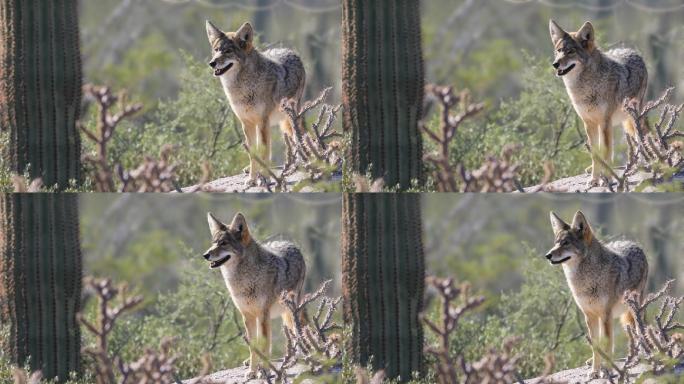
(560, 261)
(563, 72)
(221, 71)
(218, 263)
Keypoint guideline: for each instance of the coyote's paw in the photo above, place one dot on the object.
(245, 170)
(595, 375)
(251, 182)
(587, 363)
(594, 182)
(589, 169)
(246, 362)
(251, 374)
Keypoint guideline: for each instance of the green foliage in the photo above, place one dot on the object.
(540, 120)
(199, 123)
(143, 70)
(542, 313)
(199, 315)
(485, 70)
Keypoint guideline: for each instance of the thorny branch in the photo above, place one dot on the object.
(311, 148)
(654, 150)
(495, 175)
(311, 341)
(151, 176)
(494, 367)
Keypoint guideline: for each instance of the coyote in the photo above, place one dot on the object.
(598, 275)
(256, 275)
(598, 83)
(255, 83)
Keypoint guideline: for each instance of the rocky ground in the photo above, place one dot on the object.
(238, 183)
(580, 183)
(237, 375)
(581, 375)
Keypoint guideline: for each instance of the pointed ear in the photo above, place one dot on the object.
(586, 35)
(245, 35)
(215, 225)
(213, 33)
(581, 226)
(556, 31)
(557, 223)
(239, 226)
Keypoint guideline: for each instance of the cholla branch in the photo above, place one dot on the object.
(655, 342)
(495, 175)
(108, 313)
(451, 314)
(655, 150)
(151, 176)
(107, 122)
(313, 148)
(153, 367)
(311, 341)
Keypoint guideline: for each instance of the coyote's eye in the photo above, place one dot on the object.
(570, 51)
(564, 243)
(223, 243)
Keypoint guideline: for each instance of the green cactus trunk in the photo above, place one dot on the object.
(40, 281)
(382, 87)
(384, 281)
(40, 88)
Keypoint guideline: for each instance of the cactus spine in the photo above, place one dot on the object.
(40, 281)
(384, 280)
(40, 88)
(382, 88)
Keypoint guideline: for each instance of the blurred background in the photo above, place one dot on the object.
(137, 44)
(482, 44)
(501, 51)
(497, 244)
(153, 243)
(156, 51)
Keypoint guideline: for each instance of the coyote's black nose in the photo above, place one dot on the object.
(206, 256)
(555, 64)
(548, 256)
(212, 63)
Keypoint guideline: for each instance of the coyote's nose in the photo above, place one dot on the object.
(555, 64)
(548, 256)
(212, 63)
(206, 256)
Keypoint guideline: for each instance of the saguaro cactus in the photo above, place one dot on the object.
(40, 87)
(382, 88)
(384, 280)
(40, 281)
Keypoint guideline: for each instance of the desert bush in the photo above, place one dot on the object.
(540, 120)
(198, 123)
(542, 312)
(199, 316)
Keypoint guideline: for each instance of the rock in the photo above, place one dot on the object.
(580, 183)
(237, 375)
(238, 183)
(581, 375)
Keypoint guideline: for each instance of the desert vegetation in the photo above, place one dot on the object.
(479, 301)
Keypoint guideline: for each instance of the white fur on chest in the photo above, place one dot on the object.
(246, 304)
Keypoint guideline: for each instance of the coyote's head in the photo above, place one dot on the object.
(571, 241)
(572, 49)
(229, 49)
(228, 241)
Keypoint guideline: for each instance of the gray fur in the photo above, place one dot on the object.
(598, 275)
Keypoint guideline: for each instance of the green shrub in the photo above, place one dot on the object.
(542, 313)
(199, 315)
(198, 123)
(540, 120)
